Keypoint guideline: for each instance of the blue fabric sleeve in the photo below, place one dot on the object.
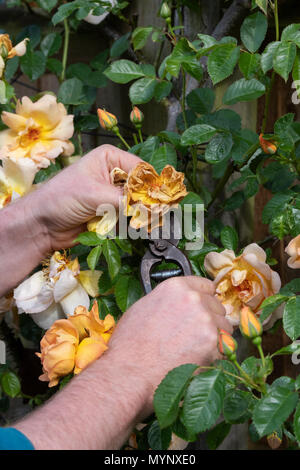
(12, 439)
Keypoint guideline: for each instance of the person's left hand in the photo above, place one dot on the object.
(66, 202)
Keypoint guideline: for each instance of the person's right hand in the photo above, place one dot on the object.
(177, 323)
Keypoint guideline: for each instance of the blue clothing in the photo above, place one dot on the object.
(12, 439)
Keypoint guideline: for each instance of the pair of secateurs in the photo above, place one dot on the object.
(160, 250)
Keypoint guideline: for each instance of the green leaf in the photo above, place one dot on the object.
(10, 384)
(253, 31)
(288, 33)
(270, 304)
(273, 409)
(197, 134)
(279, 226)
(47, 5)
(221, 62)
(140, 36)
(162, 90)
(203, 400)
(229, 238)
(93, 257)
(263, 5)
(218, 148)
(201, 100)
(191, 198)
(159, 439)
(290, 349)
(119, 46)
(124, 244)
(33, 33)
(243, 90)
(291, 318)
(55, 66)
(296, 423)
(235, 201)
(284, 59)
(180, 430)
(51, 44)
(89, 239)
(292, 287)
(193, 68)
(249, 64)
(170, 392)
(236, 406)
(33, 63)
(127, 291)
(183, 55)
(123, 71)
(112, 256)
(11, 67)
(71, 92)
(164, 155)
(267, 57)
(216, 435)
(63, 12)
(276, 204)
(142, 90)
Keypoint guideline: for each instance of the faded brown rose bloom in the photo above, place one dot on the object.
(150, 194)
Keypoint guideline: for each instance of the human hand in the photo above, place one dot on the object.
(177, 323)
(67, 201)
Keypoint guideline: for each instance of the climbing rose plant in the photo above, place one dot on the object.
(42, 133)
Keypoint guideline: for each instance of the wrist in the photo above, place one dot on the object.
(123, 374)
(23, 243)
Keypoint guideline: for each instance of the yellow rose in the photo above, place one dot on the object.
(16, 179)
(293, 250)
(58, 350)
(244, 280)
(39, 131)
(70, 345)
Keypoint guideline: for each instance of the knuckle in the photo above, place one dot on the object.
(106, 148)
(192, 297)
(174, 283)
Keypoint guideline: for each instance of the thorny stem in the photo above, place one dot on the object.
(268, 94)
(65, 51)
(245, 375)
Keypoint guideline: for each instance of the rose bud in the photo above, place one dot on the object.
(227, 344)
(274, 440)
(165, 11)
(108, 121)
(250, 325)
(268, 146)
(137, 117)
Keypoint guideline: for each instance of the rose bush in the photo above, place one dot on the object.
(206, 156)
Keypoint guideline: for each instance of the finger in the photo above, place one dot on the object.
(213, 305)
(200, 284)
(111, 157)
(223, 324)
